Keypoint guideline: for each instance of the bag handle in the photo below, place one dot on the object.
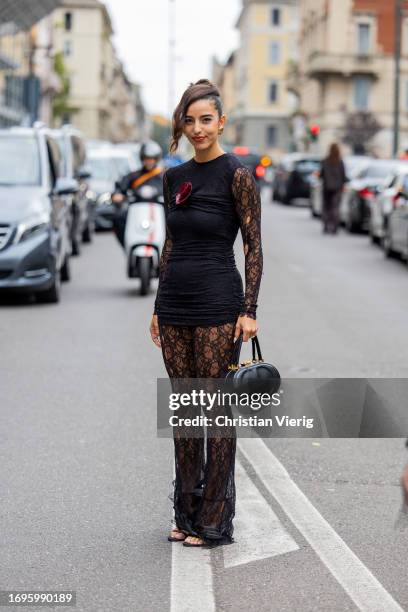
(237, 349)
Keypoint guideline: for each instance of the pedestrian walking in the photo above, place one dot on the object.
(333, 175)
(200, 307)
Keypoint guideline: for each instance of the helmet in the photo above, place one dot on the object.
(150, 149)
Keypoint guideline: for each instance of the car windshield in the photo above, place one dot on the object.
(354, 166)
(102, 169)
(122, 165)
(20, 161)
(307, 166)
(380, 171)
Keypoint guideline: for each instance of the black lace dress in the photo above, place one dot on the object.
(199, 298)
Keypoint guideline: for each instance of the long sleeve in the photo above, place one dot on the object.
(168, 243)
(248, 206)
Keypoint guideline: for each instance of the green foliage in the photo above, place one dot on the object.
(60, 103)
(359, 128)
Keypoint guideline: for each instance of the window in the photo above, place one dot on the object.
(363, 38)
(67, 48)
(361, 92)
(274, 52)
(68, 22)
(271, 136)
(273, 92)
(276, 17)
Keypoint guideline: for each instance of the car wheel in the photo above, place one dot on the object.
(76, 247)
(374, 239)
(53, 294)
(350, 226)
(387, 243)
(87, 233)
(66, 270)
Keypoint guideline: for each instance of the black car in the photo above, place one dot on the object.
(260, 165)
(294, 176)
(34, 224)
(73, 166)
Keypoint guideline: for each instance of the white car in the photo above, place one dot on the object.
(385, 201)
(353, 165)
(107, 164)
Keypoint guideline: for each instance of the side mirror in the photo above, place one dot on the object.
(66, 186)
(83, 173)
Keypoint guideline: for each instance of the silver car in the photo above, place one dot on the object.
(34, 226)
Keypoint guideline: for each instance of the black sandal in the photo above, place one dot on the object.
(173, 539)
(202, 545)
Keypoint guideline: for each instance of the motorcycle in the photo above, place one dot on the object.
(145, 233)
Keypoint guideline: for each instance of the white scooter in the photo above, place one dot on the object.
(145, 232)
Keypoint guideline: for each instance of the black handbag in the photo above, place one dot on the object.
(254, 375)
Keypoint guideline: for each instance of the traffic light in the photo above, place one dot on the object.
(314, 131)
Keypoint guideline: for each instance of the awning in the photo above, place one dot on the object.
(24, 13)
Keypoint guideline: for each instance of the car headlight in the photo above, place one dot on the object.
(91, 195)
(104, 198)
(32, 227)
(145, 224)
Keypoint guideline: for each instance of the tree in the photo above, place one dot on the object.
(359, 128)
(60, 103)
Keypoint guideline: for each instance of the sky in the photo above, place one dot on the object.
(203, 28)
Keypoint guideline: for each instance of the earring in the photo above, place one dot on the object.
(220, 131)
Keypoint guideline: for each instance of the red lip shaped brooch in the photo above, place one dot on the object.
(183, 192)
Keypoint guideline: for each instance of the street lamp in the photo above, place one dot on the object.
(397, 74)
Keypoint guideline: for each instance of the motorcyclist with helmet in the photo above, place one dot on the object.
(149, 174)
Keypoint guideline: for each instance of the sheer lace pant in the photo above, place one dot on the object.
(204, 488)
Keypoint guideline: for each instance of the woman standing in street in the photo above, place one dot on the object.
(200, 307)
(333, 176)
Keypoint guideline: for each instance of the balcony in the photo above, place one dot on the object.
(322, 65)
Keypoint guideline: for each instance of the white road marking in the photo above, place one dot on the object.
(191, 580)
(191, 585)
(356, 579)
(258, 532)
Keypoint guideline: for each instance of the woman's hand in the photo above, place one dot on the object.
(248, 326)
(154, 331)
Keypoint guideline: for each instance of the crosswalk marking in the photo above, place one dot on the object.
(258, 532)
(356, 579)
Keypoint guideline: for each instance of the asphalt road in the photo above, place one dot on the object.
(84, 477)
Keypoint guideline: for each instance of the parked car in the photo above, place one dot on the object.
(107, 165)
(383, 202)
(134, 148)
(395, 234)
(353, 165)
(355, 208)
(34, 227)
(294, 176)
(260, 165)
(73, 152)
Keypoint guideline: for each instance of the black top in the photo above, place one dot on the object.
(333, 175)
(199, 282)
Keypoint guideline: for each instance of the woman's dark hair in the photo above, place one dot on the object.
(201, 90)
(334, 155)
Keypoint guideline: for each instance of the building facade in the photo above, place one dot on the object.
(102, 102)
(263, 103)
(346, 66)
(20, 39)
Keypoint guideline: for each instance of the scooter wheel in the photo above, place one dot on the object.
(144, 273)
